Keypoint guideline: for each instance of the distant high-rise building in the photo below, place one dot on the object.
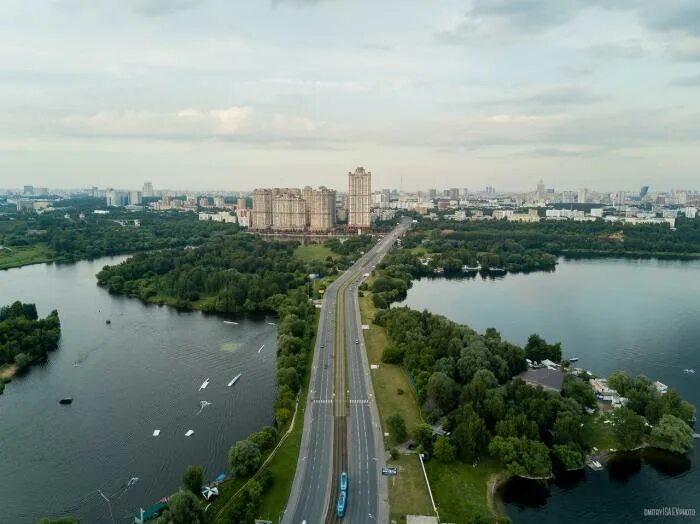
(242, 202)
(219, 201)
(359, 194)
(541, 193)
(465, 192)
(135, 198)
(116, 198)
(582, 195)
(432, 194)
(262, 209)
(453, 193)
(321, 209)
(147, 190)
(289, 212)
(28, 191)
(643, 192)
(620, 197)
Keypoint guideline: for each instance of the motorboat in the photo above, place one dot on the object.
(230, 322)
(573, 359)
(689, 371)
(234, 380)
(66, 400)
(204, 384)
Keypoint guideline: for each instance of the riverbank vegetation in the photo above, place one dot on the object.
(499, 246)
(479, 411)
(25, 338)
(51, 237)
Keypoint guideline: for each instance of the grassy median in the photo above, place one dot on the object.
(408, 493)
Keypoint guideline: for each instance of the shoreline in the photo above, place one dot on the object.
(7, 372)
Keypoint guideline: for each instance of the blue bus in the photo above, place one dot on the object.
(343, 481)
(342, 502)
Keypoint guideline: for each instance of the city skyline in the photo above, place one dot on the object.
(470, 93)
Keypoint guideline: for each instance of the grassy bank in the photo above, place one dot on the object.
(461, 491)
(23, 256)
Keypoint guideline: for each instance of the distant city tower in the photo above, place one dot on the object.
(359, 196)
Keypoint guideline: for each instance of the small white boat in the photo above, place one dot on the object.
(271, 324)
(261, 348)
(234, 380)
(156, 432)
(189, 433)
(231, 322)
(204, 384)
(573, 359)
(689, 371)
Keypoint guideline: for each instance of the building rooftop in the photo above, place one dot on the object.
(547, 378)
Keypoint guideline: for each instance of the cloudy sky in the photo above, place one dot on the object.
(228, 94)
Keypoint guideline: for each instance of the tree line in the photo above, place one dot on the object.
(75, 238)
(24, 337)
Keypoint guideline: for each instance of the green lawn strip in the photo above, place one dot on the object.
(408, 494)
(461, 490)
(309, 252)
(22, 256)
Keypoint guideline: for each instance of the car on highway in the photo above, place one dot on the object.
(357, 341)
(343, 481)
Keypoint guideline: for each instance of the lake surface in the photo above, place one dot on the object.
(141, 373)
(640, 316)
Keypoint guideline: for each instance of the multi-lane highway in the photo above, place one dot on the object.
(342, 429)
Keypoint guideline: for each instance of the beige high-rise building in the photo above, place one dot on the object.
(242, 202)
(321, 209)
(292, 209)
(288, 212)
(359, 195)
(261, 217)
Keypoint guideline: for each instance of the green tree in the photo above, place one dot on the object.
(628, 427)
(244, 458)
(538, 350)
(580, 391)
(672, 434)
(192, 479)
(444, 450)
(2, 386)
(621, 382)
(423, 434)
(570, 456)
(265, 439)
(282, 417)
(22, 361)
(526, 458)
(397, 427)
(183, 508)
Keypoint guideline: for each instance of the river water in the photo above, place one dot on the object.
(640, 316)
(139, 374)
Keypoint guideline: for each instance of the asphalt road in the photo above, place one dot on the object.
(367, 499)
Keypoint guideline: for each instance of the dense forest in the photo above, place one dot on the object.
(74, 238)
(24, 337)
(231, 273)
(509, 244)
(464, 381)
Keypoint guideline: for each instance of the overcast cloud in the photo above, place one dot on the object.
(232, 95)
